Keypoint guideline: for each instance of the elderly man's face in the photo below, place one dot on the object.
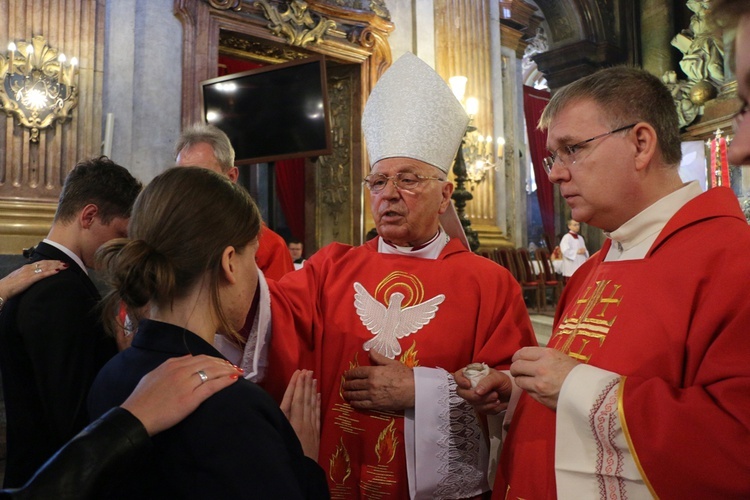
(602, 181)
(739, 150)
(409, 218)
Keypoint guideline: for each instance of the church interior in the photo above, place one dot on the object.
(123, 78)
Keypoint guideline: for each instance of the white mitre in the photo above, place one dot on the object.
(413, 113)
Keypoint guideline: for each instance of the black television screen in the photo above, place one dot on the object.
(279, 111)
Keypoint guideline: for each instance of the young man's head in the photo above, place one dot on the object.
(574, 226)
(94, 207)
(206, 146)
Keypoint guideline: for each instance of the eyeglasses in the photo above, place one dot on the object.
(404, 181)
(740, 115)
(567, 154)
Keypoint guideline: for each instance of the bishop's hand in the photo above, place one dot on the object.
(386, 385)
(491, 394)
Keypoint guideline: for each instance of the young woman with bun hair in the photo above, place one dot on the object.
(190, 261)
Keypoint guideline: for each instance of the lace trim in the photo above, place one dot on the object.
(604, 424)
(461, 469)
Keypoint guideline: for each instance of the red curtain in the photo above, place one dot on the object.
(230, 65)
(534, 102)
(290, 188)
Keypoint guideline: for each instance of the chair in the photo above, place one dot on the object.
(505, 258)
(549, 278)
(527, 278)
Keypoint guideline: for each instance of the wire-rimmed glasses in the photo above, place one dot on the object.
(567, 154)
(404, 181)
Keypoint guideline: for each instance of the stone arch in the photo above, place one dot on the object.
(585, 35)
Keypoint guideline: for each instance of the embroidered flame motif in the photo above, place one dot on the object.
(339, 465)
(396, 319)
(409, 358)
(387, 443)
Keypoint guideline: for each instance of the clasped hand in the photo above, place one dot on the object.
(540, 371)
(386, 385)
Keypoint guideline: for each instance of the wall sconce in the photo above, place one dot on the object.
(38, 84)
(478, 150)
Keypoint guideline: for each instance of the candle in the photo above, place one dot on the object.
(29, 53)
(11, 51)
(472, 106)
(72, 74)
(61, 61)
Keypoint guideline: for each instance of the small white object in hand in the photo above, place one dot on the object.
(476, 372)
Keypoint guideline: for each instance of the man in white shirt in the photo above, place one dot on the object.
(52, 343)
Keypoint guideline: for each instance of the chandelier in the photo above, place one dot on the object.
(38, 85)
(478, 150)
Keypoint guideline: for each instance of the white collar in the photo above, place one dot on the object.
(430, 250)
(633, 239)
(67, 252)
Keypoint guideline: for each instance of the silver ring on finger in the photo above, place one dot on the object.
(203, 376)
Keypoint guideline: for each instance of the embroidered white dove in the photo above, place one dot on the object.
(392, 323)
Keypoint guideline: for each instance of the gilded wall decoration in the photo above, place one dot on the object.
(334, 193)
(262, 51)
(297, 25)
(38, 85)
(702, 62)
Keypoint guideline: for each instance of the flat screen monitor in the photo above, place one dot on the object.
(279, 111)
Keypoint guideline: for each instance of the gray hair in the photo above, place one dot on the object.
(214, 137)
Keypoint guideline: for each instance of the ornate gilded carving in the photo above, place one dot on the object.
(37, 87)
(235, 5)
(257, 50)
(702, 62)
(296, 24)
(334, 178)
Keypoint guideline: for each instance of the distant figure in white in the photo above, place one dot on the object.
(573, 249)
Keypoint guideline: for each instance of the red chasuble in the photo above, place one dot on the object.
(273, 256)
(481, 317)
(676, 326)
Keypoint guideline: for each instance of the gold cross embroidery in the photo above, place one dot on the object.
(589, 325)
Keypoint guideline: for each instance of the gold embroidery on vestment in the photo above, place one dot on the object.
(594, 322)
